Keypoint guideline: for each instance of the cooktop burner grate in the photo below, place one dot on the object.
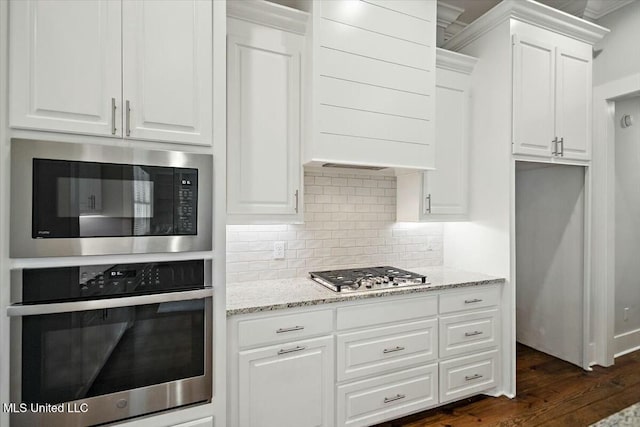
(369, 278)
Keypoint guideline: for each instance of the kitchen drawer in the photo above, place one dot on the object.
(468, 375)
(387, 312)
(466, 333)
(281, 328)
(367, 402)
(377, 350)
(469, 299)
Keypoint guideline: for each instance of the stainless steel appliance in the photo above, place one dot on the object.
(109, 342)
(86, 199)
(368, 279)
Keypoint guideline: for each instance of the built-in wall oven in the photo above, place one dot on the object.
(102, 343)
(86, 199)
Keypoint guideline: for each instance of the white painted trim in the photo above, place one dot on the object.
(627, 343)
(269, 14)
(603, 213)
(533, 13)
(453, 61)
(596, 9)
(447, 14)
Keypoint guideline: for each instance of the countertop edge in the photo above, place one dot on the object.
(361, 296)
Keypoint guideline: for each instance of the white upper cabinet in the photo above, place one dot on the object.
(167, 70)
(443, 193)
(373, 83)
(573, 103)
(65, 66)
(264, 81)
(551, 95)
(133, 69)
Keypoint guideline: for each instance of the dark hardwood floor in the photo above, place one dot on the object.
(550, 392)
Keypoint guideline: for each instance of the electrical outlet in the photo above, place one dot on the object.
(278, 250)
(626, 314)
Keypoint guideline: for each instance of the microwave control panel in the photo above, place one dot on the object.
(186, 206)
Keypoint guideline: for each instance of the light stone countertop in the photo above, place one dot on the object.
(269, 295)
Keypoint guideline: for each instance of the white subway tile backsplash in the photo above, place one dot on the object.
(349, 222)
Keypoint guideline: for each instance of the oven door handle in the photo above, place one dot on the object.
(68, 307)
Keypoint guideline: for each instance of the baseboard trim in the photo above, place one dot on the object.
(627, 343)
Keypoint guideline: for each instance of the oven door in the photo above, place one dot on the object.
(85, 199)
(111, 359)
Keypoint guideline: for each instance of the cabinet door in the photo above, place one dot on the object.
(263, 140)
(533, 97)
(168, 70)
(65, 66)
(573, 105)
(289, 385)
(446, 188)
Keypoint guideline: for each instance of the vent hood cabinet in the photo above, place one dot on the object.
(373, 83)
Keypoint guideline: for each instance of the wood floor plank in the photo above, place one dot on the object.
(550, 392)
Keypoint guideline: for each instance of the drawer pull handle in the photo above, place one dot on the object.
(394, 398)
(291, 350)
(471, 301)
(472, 377)
(471, 334)
(392, 350)
(295, 328)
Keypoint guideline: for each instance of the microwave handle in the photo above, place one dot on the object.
(68, 307)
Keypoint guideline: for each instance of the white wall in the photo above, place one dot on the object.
(627, 218)
(349, 222)
(620, 54)
(550, 220)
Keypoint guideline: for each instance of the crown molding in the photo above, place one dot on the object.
(269, 14)
(453, 61)
(447, 14)
(596, 9)
(530, 12)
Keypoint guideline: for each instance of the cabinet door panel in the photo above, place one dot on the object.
(263, 140)
(167, 54)
(573, 104)
(447, 186)
(533, 97)
(65, 66)
(290, 385)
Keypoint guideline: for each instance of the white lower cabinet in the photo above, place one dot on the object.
(287, 385)
(366, 402)
(469, 375)
(362, 362)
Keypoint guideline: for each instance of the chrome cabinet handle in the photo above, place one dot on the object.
(296, 195)
(471, 334)
(473, 377)
(428, 203)
(392, 350)
(113, 116)
(394, 398)
(561, 146)
(128, 118)
(295, 328)
(472, 301)
(555, 146)
(291, 350)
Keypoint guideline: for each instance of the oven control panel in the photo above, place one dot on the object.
(110, 280)
(186, 201)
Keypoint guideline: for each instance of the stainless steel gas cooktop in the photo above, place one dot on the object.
(367, 279)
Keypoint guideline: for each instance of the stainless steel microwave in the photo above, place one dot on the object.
(86, 199)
